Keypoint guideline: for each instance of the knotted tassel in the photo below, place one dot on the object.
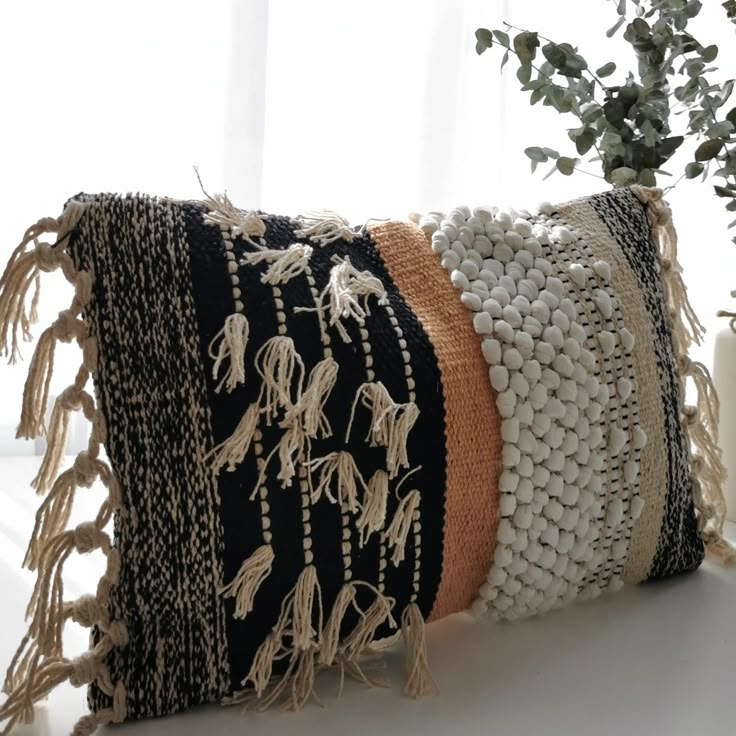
(244, 586)
(398, 531)
(344, 290)
(308, 411)
(284, 264)
(708, 404)
(36, 389)
(230, 343)
(358, 640)
(338, 469)
(324, 227)
(390, 425)
(277, 362)
(331, 634)
(419, 680)
(373, 515)
(230, 453)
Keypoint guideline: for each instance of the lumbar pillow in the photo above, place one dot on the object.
(320, 436)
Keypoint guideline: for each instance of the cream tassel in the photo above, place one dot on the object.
(373, 515)
(331, 634)
(324, 227)
(419, 680)
(344, 290)
(708, 404)
(398, 531)
(36, 389)
(390, 425)
(230, 342)
(358, 640)
(244, 586)
(276, 363)
(308, 411)
(339, 467)
(233, 450)
(284, 265)
(223, 213)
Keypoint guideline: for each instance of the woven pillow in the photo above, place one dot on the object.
(320, 436)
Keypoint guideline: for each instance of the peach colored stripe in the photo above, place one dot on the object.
(472, 425)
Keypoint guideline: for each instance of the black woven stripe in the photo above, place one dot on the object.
(240, 517)
(679, 547)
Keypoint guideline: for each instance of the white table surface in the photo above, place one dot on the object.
(652, 659)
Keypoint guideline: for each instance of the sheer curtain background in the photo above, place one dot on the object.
(373, 109)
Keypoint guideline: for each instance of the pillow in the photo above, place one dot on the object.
(318, 437)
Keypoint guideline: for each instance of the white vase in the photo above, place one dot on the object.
(724, 378)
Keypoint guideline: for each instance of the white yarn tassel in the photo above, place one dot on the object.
(373, 516)
(344, 290)
(338, 468)
(308, 411)
(284, 265)
(233, 450)
(390, 426)
(244, 586)
(230, 343)
(419, 680)
(324, 227)
(277, 362)
(398, 531)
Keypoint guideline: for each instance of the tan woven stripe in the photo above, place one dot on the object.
(653, 469)
(472, 424)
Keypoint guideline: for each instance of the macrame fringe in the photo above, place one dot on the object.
(283, 265)
(39, 665)
(308, 411)
(224, 214)
(345, 288)
(324, 227)
(419, 680)
(390, 424)
(244, 586)
(338, 469)
(373, 514)
(700, 422)
(230, 453)
(229, 344)
(398, 530)
(277, 362)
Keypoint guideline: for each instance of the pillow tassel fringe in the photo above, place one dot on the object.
(284, 265)
(39, 664)
(276, 363)
(230, 453)
(229, 344)
(250, 577)
(373, 514)
(324, 227)
(700, 422)
(419, 680)
(339, 467)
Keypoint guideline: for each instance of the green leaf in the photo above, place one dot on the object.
(566, 165)
(623, 176)
(502, 38)
(504, 59)
(650, 135)
(693, 8)
(615, 112)
(554, 55)
(669, 145)
(550, 172)
(606, 70)
(647, 178)
(614, 28)
(731, 117)
(724, 192)
(709, 53)
(525, 45)
(640, 27)
(584, 142)
(524, 73)
(484, 36)
(536, 96)
(708, 150)
(621, 7)
(535, 153)
(720, 130)
(693, 169)
(551, 152)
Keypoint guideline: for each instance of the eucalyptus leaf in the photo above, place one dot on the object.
(504, 59)
(724, 192)
(611, 32)
(720, 130)
(710, 53)
(584, 142)
(524, 73)
(615, 112)
(555, 55)
(566, 165)
(525, 45)
(623, 176)
(503, 38)
(551, 152)
(694, 169)
(606, 70)
(708, 150)
(535, 153)
(647, 178)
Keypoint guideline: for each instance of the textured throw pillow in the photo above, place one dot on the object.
(320, 436)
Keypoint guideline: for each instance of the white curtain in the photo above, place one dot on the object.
(373, 109)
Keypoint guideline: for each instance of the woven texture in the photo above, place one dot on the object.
(318, 437)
